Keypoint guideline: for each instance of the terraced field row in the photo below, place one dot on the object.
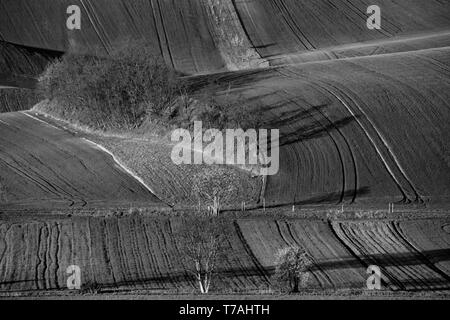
(134, 253)
(404, 265)
(141, 253)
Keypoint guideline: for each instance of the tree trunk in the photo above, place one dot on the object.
(295, 286)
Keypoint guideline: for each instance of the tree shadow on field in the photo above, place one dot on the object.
(183, 279)
(25, 284)
(222, 82)
(304, 123)
(426, 259)
(331, 197)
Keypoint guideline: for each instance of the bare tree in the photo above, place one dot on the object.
(293, 266)
(214, 186)
(202, 240)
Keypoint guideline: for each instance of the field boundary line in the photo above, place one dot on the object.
(122, 166)
(37, 119)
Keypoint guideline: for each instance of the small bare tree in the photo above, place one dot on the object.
(203, 244)
(293, 267)
(214, 186)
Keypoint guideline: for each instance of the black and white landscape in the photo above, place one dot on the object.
(99, 196)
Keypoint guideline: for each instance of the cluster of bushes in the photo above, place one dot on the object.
(115, 91)
(128, 87)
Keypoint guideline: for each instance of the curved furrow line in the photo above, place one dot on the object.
(93, 22)
(383, 245)
(384, 142)
(174, 244)
(290, 22)
(66, 185)
(166, 39)
(160, 43)
(341, 160)
(430, 239)
(355, 246)
(263, 273)
(90, 245)
(47, 279)
(373, 143)
(106, 253)
(40, 184)
(390, 246)
(324, 86)
(167, 243)
(125, 264)
(39, 259)
(39, 180)
(419, 271)
(348, 147)
(146, 250)
(57, 253)
(364, 17)
(294, 151)
(320, 269)
(399, 232)
(281, 234)
(153, 250)
(3, 255)
(137, 254)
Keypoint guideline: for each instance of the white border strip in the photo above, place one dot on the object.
(37, 119)
(131, 173)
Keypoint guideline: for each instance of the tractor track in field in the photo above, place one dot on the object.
(354, 242)
(341, 199)
(319, 268)
(335, 143)
(290, 22)
(37, 152)
(330, 89)
(397, 228)
(417, 196)
(250, 253)
(383, 244)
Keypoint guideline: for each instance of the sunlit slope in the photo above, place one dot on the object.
(182, 32)
(277, 27)
(45, 167)
(373, 128)
(199, 36)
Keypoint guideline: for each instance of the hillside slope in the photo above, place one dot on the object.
(372, 128)
(45, 167)
(199, 36)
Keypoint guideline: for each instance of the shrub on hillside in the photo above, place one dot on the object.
(117, 91)
(227, 114)
(292, 272)
(130, 86)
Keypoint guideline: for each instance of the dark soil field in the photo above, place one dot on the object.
(364, 120)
